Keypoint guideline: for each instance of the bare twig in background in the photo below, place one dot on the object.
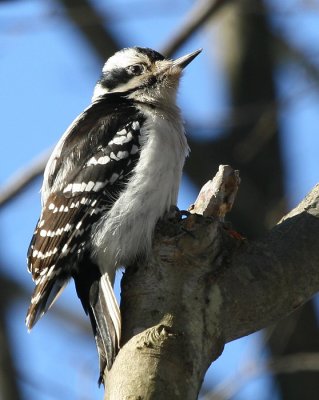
(92, 26)
(284, 46)
(289, 364)
(23, 178)
(13, 291)
(202, 11)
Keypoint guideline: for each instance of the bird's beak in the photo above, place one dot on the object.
(182, 62)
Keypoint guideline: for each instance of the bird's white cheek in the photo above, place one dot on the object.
(99, 91)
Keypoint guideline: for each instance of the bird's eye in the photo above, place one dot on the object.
(136, 69)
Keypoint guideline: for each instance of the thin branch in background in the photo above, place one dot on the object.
(284, 45)
(13, 291)
(299, 362)
(23, 178)
(202, 11)
(92, 26)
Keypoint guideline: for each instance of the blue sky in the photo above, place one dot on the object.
(47, 76)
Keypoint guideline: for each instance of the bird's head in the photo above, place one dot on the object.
(142, 73)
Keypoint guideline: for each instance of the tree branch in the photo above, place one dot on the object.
(289, 364)
(23, 178)
(202, 288)
(200, 13)
(92, 26)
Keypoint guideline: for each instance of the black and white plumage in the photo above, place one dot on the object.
(114, 173)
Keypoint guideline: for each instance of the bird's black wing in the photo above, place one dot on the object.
(88, 168)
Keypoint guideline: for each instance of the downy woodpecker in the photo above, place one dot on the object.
(113, 174)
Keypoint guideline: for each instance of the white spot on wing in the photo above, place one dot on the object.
(89, 186)
(121, 139)
(75, 205)
(122, 154)
(79, 232)
(99, 185)
(68, 188)
(76, 187)
(50, 271)
(122, 132)
(96, 211)
(36, 298)
(92, 161)
(40, 255)
(114, 177)
(67, 227)
(114, 157)
(44, 271)
(78, 225)
(103, 160)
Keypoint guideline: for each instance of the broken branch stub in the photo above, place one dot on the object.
(217, 196)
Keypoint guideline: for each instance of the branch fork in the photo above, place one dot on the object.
(202, 288)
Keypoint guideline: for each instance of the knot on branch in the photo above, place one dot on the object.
(155, 336)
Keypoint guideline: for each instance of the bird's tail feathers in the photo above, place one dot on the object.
(43, 297)
(109, 296)
(106, 314)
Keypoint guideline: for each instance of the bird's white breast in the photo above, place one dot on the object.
(126, 230)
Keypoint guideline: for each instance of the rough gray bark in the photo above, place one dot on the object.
(202, 287)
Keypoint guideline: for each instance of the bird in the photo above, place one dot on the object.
(112, 176)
